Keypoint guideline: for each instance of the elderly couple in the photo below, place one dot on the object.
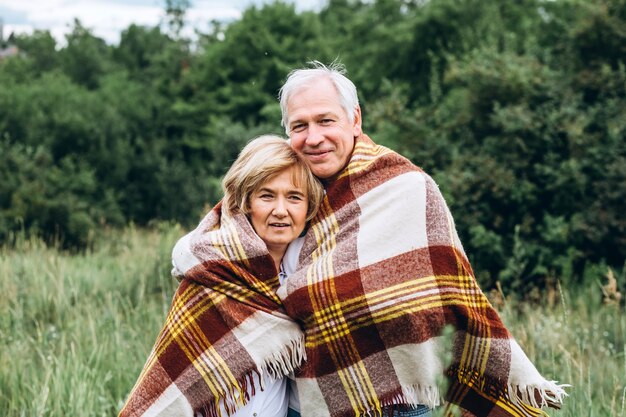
(347, 296)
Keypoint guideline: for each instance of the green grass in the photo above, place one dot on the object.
(75, 329)
(578, 341)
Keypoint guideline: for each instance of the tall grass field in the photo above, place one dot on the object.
(75, 329)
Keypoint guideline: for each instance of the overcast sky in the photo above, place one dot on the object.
(107, 18)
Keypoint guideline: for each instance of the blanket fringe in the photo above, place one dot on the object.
(544, 394)
(429, 396)
(285, 361)
(277, 366)
(548, 394)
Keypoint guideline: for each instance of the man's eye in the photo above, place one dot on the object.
(298, 128)
(326, 121)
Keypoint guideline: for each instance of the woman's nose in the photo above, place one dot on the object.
(280, 208)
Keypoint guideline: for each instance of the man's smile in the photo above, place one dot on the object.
(317, 154)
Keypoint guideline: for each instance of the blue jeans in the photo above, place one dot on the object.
(402, 411)
(408, 411)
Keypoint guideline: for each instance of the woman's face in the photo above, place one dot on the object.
(278, 211)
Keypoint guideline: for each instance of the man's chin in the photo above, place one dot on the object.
(321, 171)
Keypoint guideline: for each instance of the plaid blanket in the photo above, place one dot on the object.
(225, 331)
(388, 303)
(385, 296)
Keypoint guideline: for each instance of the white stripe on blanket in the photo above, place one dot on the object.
(381, 237)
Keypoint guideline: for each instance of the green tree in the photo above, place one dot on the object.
(517, 109)
(39, 49)
(85, 58)
(138, 50)
(523, 128)
(52, 199)
(175, 11)
(239, 73)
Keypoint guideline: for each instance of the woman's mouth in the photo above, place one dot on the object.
(279, 224)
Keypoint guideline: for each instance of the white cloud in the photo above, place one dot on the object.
(107, 19)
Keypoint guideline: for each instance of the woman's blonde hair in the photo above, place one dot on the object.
(258, 162)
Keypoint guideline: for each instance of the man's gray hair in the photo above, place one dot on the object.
(305, 77)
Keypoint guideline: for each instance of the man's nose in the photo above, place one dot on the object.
(314, 136)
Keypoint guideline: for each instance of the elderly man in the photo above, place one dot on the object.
(381, 275)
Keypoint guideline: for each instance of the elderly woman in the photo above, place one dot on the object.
(227, 343)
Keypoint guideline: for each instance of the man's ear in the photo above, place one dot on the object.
(357, 121)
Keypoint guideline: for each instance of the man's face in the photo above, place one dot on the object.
(319, 128)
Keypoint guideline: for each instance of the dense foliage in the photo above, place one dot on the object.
(517, 109)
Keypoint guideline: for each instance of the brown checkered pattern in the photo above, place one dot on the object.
(383, 291)
(225, 325)
(381, 275)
